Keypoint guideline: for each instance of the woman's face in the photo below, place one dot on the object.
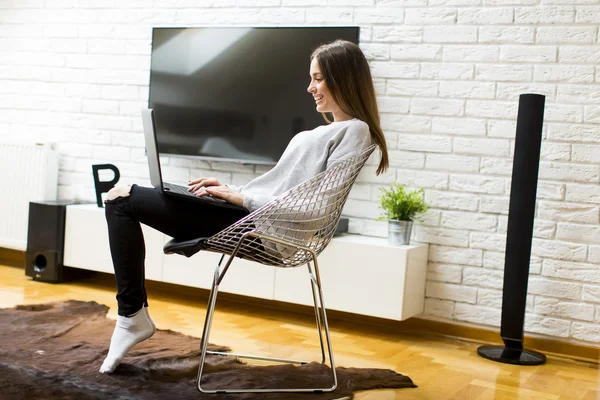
(318, 89)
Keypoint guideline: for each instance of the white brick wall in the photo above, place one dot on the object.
(448, 75)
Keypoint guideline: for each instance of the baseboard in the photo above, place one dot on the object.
(12, 258)
(548, 346)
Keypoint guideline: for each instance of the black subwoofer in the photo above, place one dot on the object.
(46, 241)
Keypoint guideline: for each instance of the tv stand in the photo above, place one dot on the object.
(360, 274)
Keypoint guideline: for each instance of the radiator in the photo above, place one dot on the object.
(29, 172)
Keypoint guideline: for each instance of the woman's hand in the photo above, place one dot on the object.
(223, 192)
(197, 184)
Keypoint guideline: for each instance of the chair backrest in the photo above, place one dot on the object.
(306, 216)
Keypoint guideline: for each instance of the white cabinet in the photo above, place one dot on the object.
(86, 247)
(196, 271)
(86, 242)
(360, 274)
(243, 277)
(363, 275)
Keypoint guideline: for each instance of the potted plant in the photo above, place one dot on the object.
(401, 207)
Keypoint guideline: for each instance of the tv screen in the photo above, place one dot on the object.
(234, 94)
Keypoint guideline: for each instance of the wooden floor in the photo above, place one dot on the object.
(443, 368)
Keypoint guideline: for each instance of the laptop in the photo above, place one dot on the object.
(165, 188)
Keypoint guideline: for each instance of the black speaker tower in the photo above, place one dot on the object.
(519, 236)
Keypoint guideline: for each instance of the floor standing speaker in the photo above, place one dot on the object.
(519, 235)
(45, 240)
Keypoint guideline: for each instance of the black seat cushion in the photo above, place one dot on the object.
(190, 247)
(185, 247)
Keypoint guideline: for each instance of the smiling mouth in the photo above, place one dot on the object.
(318, 99)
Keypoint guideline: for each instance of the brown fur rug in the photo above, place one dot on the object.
(53, 351)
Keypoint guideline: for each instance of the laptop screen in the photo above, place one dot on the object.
(152, 149)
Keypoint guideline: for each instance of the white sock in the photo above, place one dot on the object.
(149, 317)
(129, 331)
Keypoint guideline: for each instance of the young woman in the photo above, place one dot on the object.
(341, 84)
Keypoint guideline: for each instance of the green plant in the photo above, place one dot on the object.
(400, 204)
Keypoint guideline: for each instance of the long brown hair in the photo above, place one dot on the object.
(348, 78)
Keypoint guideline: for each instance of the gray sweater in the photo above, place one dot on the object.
(308, 154)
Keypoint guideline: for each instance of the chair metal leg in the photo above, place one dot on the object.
(327, 335)
(319, 313)
(210, 308)
(313, 284)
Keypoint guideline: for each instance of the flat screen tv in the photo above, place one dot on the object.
(234, 94)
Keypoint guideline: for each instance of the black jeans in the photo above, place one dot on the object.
(177, 217)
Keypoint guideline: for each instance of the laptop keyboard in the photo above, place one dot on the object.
(184, 191)
(178, 189)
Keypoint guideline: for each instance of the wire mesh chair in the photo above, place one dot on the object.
(290, 231)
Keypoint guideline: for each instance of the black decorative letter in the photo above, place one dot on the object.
(104, 186)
